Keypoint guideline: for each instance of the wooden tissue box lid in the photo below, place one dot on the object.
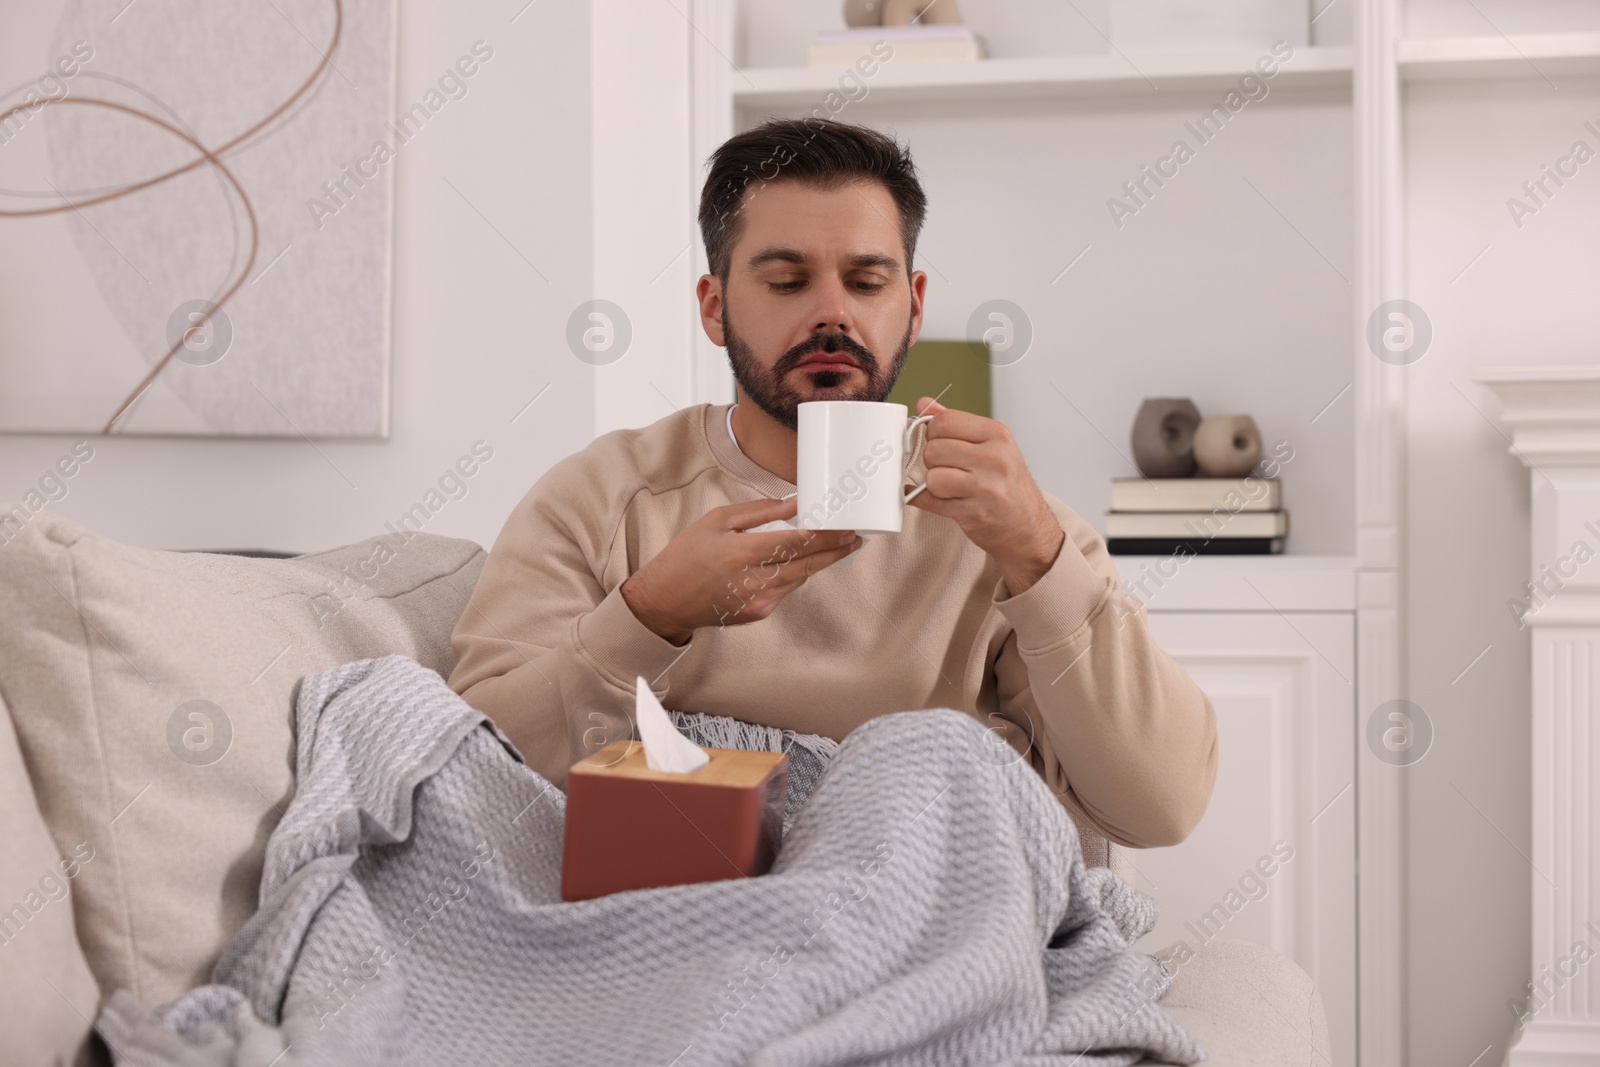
(629, 827)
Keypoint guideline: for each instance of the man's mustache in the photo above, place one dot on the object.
(830, 343)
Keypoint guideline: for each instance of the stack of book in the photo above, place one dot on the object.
(1203, 516)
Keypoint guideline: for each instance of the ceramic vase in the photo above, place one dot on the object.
(1227, 446)
(1163, 437)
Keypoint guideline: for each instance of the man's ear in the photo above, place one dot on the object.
(919, 290)
(708, 291)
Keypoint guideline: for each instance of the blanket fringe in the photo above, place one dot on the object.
(809, 754)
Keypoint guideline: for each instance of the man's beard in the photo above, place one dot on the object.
(767, 388)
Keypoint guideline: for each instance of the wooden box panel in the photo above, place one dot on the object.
(629, 827)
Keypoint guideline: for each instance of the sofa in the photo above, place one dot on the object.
(146, 753)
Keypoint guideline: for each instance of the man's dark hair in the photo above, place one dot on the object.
(815, 151)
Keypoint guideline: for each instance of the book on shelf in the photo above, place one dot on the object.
(1198, 525)
(945, 43)
(1199, 546)
(1196, 494)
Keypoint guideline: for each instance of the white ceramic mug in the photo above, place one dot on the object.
(852, 465)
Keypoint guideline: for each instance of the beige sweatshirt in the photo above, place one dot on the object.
(1066, 672)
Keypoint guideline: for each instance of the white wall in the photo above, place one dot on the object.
(1491, 18)
(645, 187)
(1529, 299)
(775, 34)
(477, 333)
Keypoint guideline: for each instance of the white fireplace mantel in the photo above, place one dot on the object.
(1553, 413)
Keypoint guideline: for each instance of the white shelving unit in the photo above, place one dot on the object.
(1169, 89)
(1353, 96)
(1041, 77)
(1279, 641)
(1552, 55)
(1290, 583)
(1419, 59)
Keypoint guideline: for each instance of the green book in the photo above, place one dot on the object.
(957, 372)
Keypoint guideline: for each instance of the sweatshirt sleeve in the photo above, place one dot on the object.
(1116, 727)
(543, 647)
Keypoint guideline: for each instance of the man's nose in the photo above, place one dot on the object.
(831, 312)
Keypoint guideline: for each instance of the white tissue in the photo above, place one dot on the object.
(665, 749)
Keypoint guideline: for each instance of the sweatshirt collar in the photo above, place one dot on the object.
(720, 440)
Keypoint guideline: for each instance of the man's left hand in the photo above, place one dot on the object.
(976, 476)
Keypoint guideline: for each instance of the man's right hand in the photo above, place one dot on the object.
(713, 573)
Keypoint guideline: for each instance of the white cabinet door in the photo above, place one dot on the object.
(1273, 860)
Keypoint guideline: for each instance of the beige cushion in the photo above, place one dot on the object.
(44, 978)
(1247, 1005)
(105, 648)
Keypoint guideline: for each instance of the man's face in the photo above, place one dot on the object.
(818, 304)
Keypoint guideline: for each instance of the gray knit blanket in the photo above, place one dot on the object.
(929, 906)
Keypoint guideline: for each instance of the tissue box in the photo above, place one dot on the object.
(629, 827)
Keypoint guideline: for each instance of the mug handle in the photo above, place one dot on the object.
(907, 450)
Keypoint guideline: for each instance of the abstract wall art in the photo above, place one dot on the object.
(195, 217)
